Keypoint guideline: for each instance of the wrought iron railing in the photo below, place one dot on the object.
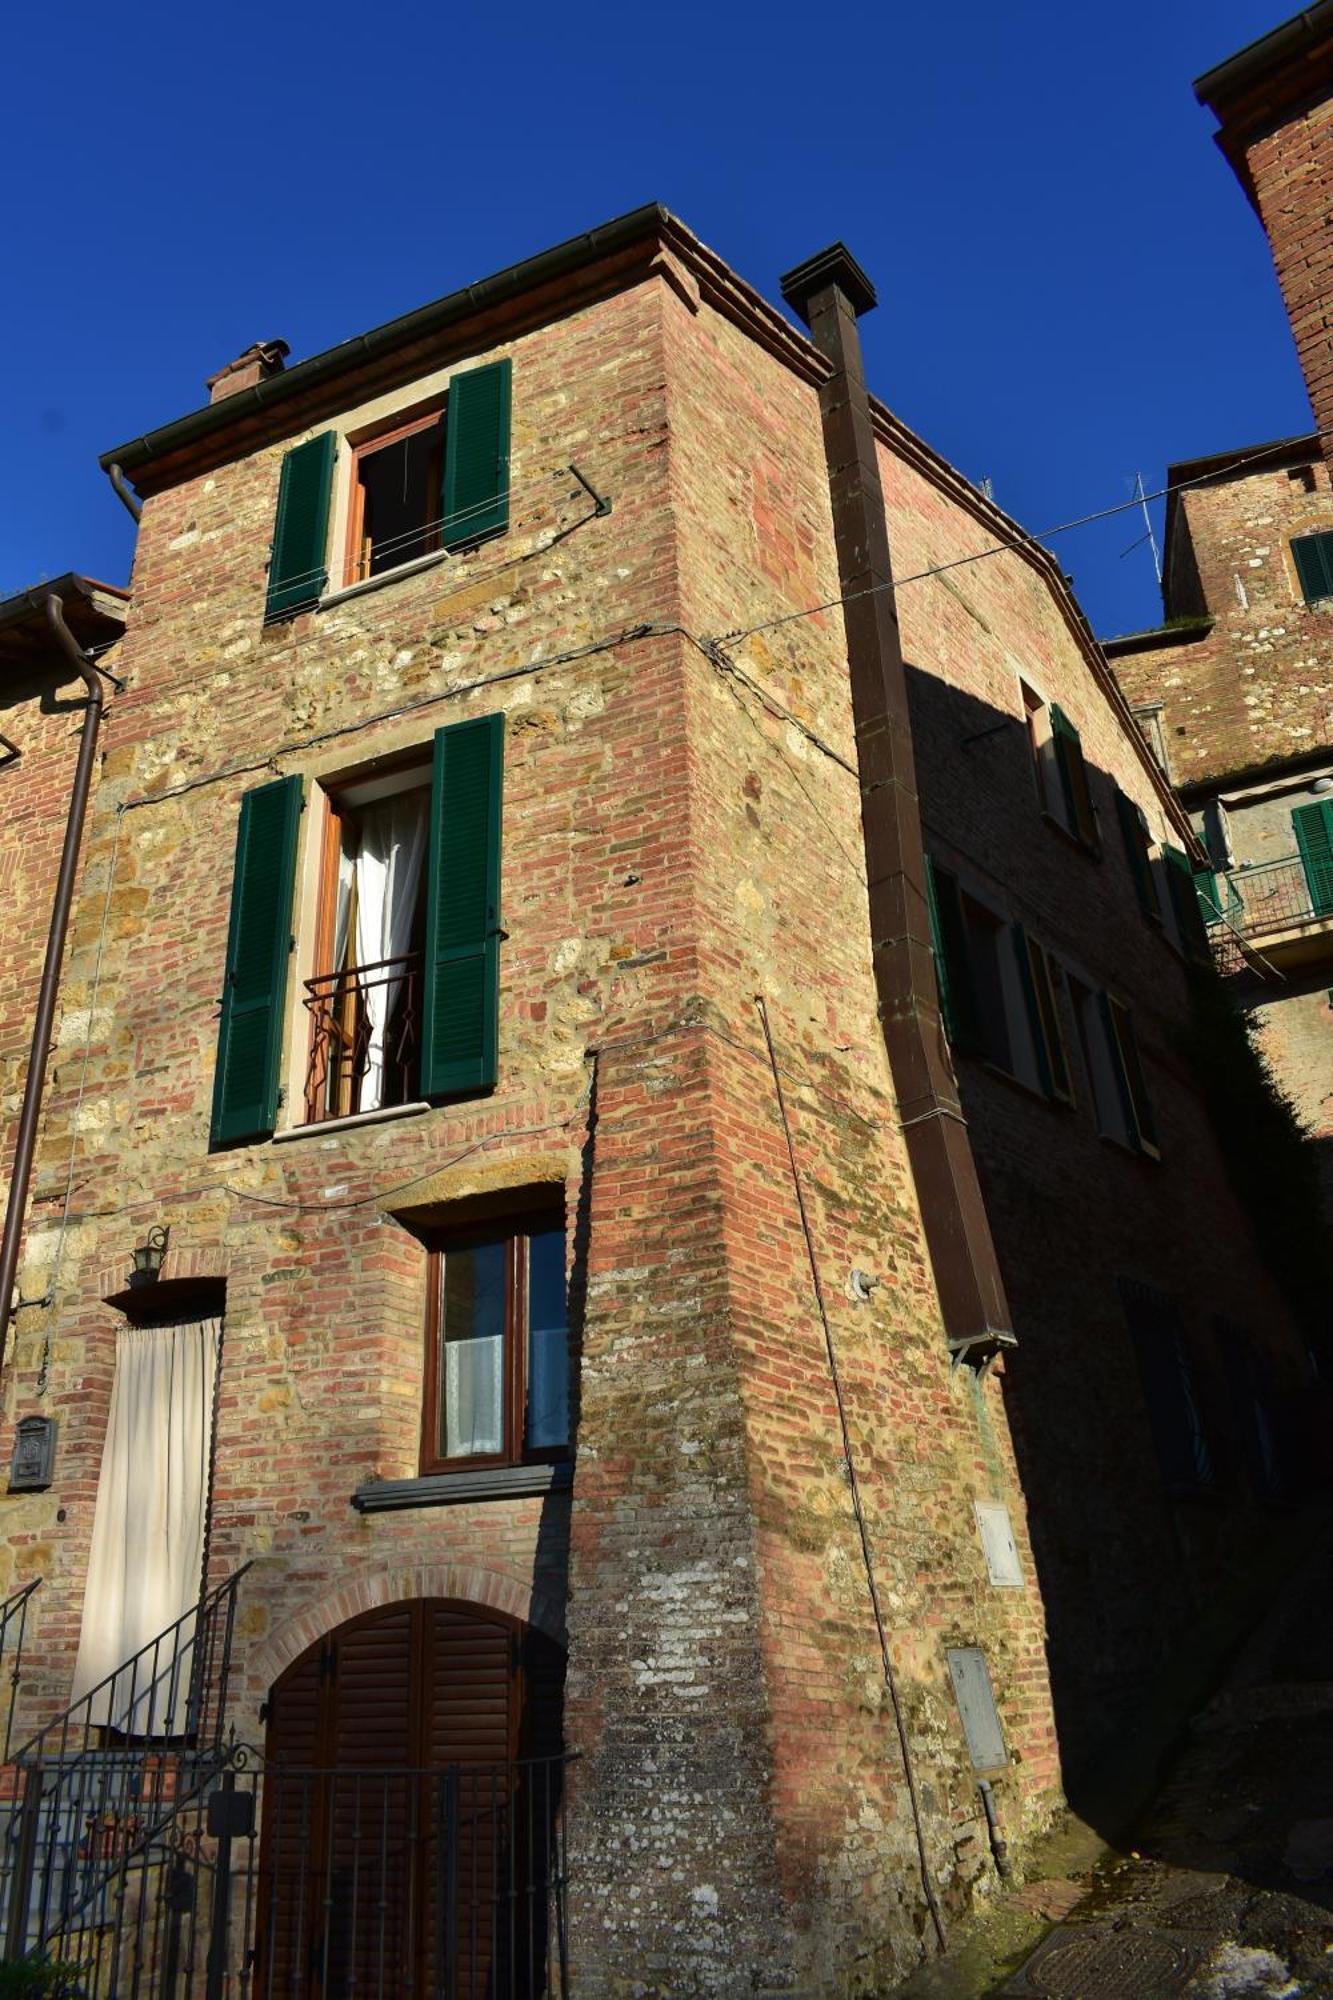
(445, 1883)
(100, 1780)
(1256, 902)
(13, 1631)
(342, 1055)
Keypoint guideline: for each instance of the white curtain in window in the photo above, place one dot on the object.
(474, 1395)
(388, 873)
(145, 1564)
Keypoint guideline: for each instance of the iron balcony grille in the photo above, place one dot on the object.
(1255, 902)
(13, 1631)
(342, 1030)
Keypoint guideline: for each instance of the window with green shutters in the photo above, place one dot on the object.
(1138, 852)
(414, 487)
(1185, 905)
(1078, 815)
(410, 1008)
(1313, 557)
(1313, 825)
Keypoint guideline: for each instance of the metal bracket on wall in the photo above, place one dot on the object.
(603, 505)
(981, 1351)
(12, 752)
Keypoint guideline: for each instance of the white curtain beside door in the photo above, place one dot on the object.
(388, 865)
(146, 1560)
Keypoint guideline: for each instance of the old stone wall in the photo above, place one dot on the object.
(1257, 688)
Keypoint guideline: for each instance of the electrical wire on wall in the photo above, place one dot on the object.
(854, 1487)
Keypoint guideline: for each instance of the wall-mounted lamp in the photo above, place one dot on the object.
(149, 1257)
(1322, 785)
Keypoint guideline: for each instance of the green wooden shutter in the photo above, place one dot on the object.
(953, 971)
(1073, 771)
(1122, 1084)
(476, 455)
(245, 1085)
(1313, 556)
(1206, 889)
(461, 999)
(1036, 1024)
(1314, 836)
(1135, 837)
(297, 570)
(1185, 903)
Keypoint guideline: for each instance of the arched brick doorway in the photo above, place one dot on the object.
(411, 1781)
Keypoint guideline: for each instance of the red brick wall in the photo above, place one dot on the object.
(1292, 174)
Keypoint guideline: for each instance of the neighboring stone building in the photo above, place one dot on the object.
(513, 995)
(1236, 688)
(42, 707)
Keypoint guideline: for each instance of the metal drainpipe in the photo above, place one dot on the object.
(124, 489)
(25, 1143)
(829, 291)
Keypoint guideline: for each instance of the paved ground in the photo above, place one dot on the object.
(1227, 1892)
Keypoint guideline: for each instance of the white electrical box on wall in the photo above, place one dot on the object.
(997, 1539)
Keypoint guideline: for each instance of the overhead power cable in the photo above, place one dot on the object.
(1021, 541)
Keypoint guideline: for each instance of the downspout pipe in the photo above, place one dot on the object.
(25, 1143)
(124, 490)
(830, 291)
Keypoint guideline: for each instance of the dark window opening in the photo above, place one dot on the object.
(396, 500)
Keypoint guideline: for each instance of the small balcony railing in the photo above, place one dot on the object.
(341, 1078)
(1259, 902)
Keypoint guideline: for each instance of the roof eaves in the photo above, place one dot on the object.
(214, 419)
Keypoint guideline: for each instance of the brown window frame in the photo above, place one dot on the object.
(356, 558)
(515, 1230)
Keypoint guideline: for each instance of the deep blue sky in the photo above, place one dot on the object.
(1072, 285)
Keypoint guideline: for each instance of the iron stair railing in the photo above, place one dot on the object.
(14, 1626)
(108, 1775)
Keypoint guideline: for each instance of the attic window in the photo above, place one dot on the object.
(396, 499)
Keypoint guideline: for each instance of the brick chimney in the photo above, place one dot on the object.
(1274, 106)
(265, 358)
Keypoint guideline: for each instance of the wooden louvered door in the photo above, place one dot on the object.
(405, 1849)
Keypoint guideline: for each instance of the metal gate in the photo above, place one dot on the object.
(268, 1882)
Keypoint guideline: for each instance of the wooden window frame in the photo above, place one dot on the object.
(414, 768)
(515, 1230)
(356, 558)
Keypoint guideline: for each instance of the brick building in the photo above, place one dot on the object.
(568, 1319)
(1236, 688)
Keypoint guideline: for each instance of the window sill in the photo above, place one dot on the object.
(368, 583)
(329, 1126)
(450, 1489)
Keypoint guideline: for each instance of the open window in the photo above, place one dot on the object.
(422, 483)
(1111, 1058)
(497, 1346)
(1061, 773)
(997, 988)
(365, 997)
(403, 998)
(396, 511)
